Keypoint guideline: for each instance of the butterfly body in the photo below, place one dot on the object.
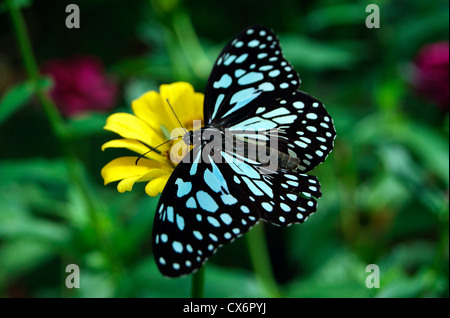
(250, 160)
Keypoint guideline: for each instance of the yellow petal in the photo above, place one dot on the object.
(125, 167)
(195, 112)
(150, 108)
(126, 184)
(156, 173)
(137, 147)
(156, 186)
(181, 97)
(197, 109)
(132, 127)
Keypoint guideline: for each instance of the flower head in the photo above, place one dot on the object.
(148, 127)
(80, 85)
(432, 73)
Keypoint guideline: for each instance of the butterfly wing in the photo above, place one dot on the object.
(281, 197)
(304, 129)
(207, 204)
(250, 69)
(200, 209)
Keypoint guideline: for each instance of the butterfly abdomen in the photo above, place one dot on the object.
(283, 161)
(287, 162)
(271, 156)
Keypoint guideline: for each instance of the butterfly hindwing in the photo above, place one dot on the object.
(295, 197)
(250, 69)
(199, 210)
(281, 197)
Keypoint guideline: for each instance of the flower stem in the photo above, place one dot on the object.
(32, 68)
(259, 255)
(60, 130)
(198, 283)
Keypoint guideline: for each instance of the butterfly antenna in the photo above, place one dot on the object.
(153, 149)
(173, 111)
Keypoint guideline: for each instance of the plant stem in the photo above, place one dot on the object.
(60, 130)
(259, 255)
(190, 44)
(198, 283)
(32, 69)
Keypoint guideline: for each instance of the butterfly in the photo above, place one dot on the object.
(205, 203)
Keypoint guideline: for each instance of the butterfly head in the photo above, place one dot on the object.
(188, 137)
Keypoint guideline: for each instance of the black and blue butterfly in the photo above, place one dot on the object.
(206, 204)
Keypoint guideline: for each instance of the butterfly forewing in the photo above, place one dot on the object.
(200, 209)
(251, 69)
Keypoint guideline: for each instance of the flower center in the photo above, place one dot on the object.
(177, 147)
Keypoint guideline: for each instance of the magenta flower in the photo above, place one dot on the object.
(81, 85)
(432, 73)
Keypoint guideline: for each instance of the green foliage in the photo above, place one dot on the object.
(385, 186)
(16, 3)
(18, 96)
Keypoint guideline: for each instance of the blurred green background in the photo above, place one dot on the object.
(385, 186)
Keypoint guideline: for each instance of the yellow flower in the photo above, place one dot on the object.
(150, 126)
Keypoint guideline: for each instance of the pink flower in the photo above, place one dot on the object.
(81, 85)
(432, 75)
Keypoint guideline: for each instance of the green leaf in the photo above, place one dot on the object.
(34, 229)
(432, 148)
(20, 257)
(336, 15)
(139, 215)
(343, 275)
(87, 125)
(413, 32)
(18, 222)
(36, 169)
(155, 66)
(400, 164)
(222, 282)
(407, 287)
(407, 256)
(16, 97)
(95, 285)
(305, 53)
(384, 192)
